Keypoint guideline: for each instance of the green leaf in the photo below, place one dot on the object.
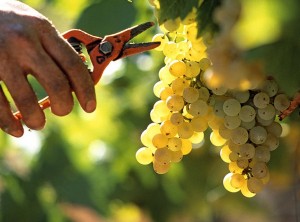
(205, 16)
(171, 9)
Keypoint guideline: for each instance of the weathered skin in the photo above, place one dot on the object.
(30, 44)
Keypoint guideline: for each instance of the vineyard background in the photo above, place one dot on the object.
(82, 167)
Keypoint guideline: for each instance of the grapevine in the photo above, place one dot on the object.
(195, 96)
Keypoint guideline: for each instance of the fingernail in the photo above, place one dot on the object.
(90, 106)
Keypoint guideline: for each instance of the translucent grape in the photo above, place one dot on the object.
(267, 113)
(275, 128)
(185, 130)
(262, 154)
(176, 119)
(160, 140)
(204, 63)
(163, 155)
(177, 68)
(190, 94)
(246, 192)
(165, 76)
(232, 122)
(199, 124)
(174, 144)
(259, 170)
(237, 180)
(197, 137)
(192, 69)
(281, 102)
(272, 142)
(258, 135)
(162, 38)
(242, 163)
(239, 135)
(186, 147)
(227, 183)
(170, 49)
(261, 100)
(224, 132)
(216, 139)
(165, 93)
(224, 154)
(241, 96)
(248, 125)
(234, 168)
(168, 129)
(144, 156)
(203, 94)
(231, 107)
(172, 24)
(270, 87)
(254, 185)
(198, 108)
(247, 151)
(158, 87)
(176, 156)
(175, 103)
(247, 113)
(161, 168)
(178, 85)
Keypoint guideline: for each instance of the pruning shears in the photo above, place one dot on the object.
(104, 50)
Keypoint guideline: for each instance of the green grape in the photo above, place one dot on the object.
(203, 93)
(272, 142)
(177, 68)
(172, 24)
(144, 156)
(281, 102)
(231, 107)
(170, 49)
(190, 94)
(267, 113)
(175, 103)
(163, 155)
(241, 96)
(262, 154)
(247, 151)
(161, 168)
(227, 183)
(176, 119)
(197, 137)
(192, 69)
(234, 168)
(186, 147)
(275, 128)
(147, 135)
(176, 156)
(199, 124)
(218, 108)
(160, 140)
(165, 76)
(233, 147)
(158, 87)
(233, 156)
(221, 90)
(246, 192)
(224, 132)
(259, 170)
(185, 130)
(174, 144)
(204, 63)
(224, 154)
(254, 185)
(191, 33)
(178, 85)
(237, 180)
(162, 38)
(247, 113)
(248, 125)
(216, 139)
(161, 108)
(232, 122)
(261, 100)
(216, 123)
(270, 87)
(168, 129)
(239, 136)
(165, 93)
(258, 135)
(242, 163)
(264, 122)
(198, 108)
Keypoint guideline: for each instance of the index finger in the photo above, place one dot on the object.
(73, 67)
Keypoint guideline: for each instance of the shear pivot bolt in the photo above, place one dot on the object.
(105, 47)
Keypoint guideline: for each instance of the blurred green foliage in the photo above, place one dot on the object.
(83, 165)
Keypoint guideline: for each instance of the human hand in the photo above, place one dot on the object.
(31, 45)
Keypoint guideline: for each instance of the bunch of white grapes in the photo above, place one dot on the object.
(241, 122)
(227, 56)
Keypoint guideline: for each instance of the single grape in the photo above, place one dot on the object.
(275, 128)
(168, 129)
(247, 113)
(261, 100)
(175, 103)
(270, 87)
(232, 122)
(185, 130)
(186, 147)
(259, 170)
(266, 113)
(177, 68)
(190, 94)
(174, 144)
(216, 139)
(247, 151)
(172, 24)
(272, 142)
(254, 185)
(199, 124)
(258, 135)
(158, 87)
(161, 168)
(170, 49)
(176, 156)
(163, 156)
(198, 108)
(203, 93)
(262, 154)
(165, 93)
(144, 156)
(160, 140)
(239, 135)
(231, 107)
(237, 180)
(178, 85)
(197, 137)
(176, 119)
(241, 96)
(281, 102)
(192, 69)
(227, 183)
